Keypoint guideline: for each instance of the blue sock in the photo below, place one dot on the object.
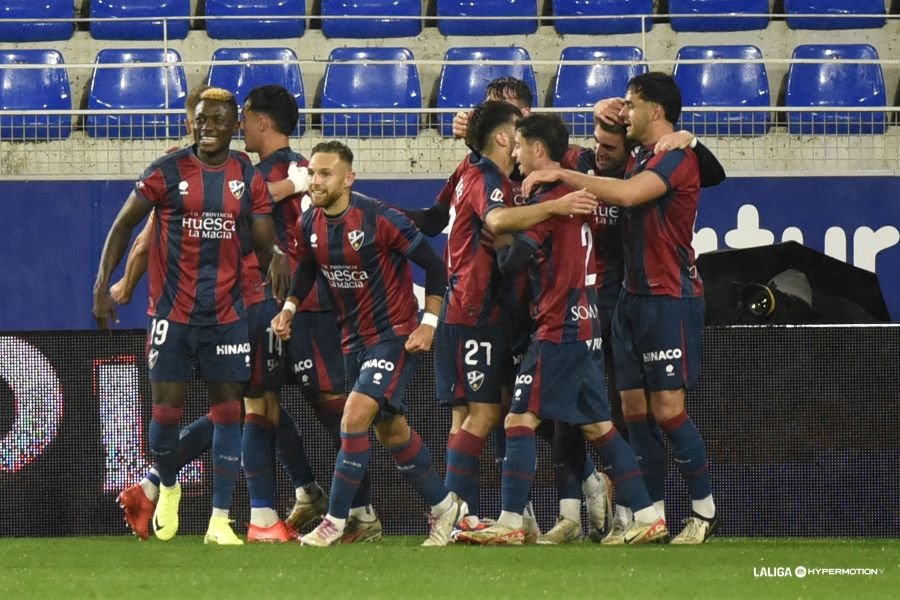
(689, 453)
(569, 460)
(624, 470)
(329, 413)
(646, 441)
(163, 438)
(414, 462)
(498, 436)
(195, 439)
(290, 451)
(518, 469)
(226, 450)
(463, 457)
(257, 450)
(349, 469)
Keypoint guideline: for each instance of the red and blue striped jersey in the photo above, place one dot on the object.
(563, 274)
(362, 255)
(657, 235)
(475, 282)
(196, 250)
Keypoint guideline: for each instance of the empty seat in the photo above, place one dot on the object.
(718, 15)
(487, 17)
(129, 85)
(842, 11)
(718, 84)
(463, 85)
(583, 85)
(156, 19)
(830, 83)
(628, 16)
(371, 85)
(368, 26)
(255, 28)
(243, 77)
(36, 30)
(43, 88)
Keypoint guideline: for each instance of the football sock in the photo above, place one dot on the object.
(689, 453)
(163, 438)
(498, 438)
(463, 456)
(518, 469)
(263, 517)
(414, 462)
(226, 450)
(290, 452)
(329, 413)
(257, 450)
(150, 484)
(626, 475)
(705, 507)
(349, 469)
(570, 508)
(647, 444)
(194, 440)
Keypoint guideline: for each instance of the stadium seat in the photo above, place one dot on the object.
(632, 10)
(44, 88)
(462, 86)
(241, 78)
(118, 27)
(830, 83)
(35, 30)
(718, 84)
(730, 11)
(583, 85)
(131, 86)
(368, 85)
(366, 26)
(487, 17)
(843, 11)
(255, 28)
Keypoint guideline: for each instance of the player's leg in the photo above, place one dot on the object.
(568, 457)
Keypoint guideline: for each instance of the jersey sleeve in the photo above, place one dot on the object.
(674, 167)
(260, 199)
(397, 231)
(305, 255)
(151, 187)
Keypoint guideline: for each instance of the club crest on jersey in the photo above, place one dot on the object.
(151, 358)
(356, 238)
(475, 378)
(237, 188)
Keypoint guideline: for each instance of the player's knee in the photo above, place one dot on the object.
(634, 402)
(359, 413)
(521, 420)
(255, 406)
(592, 431)
(667, 404)
(482, 418)
(393, 432)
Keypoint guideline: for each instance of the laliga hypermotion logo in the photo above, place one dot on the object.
(356, 238)
(237, 188)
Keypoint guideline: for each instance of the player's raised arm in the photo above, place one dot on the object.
(520, 218)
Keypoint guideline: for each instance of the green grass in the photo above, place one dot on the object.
(121, 567)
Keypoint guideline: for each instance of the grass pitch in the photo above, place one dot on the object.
(122, 567)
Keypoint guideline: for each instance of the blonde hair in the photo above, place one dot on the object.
(218, 94)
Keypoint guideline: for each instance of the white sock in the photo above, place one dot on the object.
(704, 507)
(442, 506)
(220, 513)
(647, 515)
(570, 508)
(263, 517)
(661, 508)
(510, 520)
(363, 513)
(594, 485)
(151, 490)
(623, 514)
(529, 512)
(338, 523)
(306, 493)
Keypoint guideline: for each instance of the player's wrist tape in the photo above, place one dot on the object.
(693, 143)
(299, 177)
(289, 306)
(277, 250)
(430, 319)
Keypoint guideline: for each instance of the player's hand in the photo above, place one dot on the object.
(502, 240)
(281, 324)
(419, 341)
(173, 149)
(538, 177)
(279, 276)
(299, 177)
(579, 202)
(120, 293)
(609, 110)
(461, 124)
(104, 309)
(674, 141)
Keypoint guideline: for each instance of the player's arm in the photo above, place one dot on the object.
(271, 257)
(505, 219)
(135, 266)
(435, 285)
(132, 213)
(303, 281)
(296, 182)
(432, 220)
(643, 187)
(513, 258)
(712, 173)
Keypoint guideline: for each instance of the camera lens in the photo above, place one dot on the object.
(757, 301)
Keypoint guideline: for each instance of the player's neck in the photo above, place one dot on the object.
(656, 130)
(499, 157)
(271, 144)
(339, 207)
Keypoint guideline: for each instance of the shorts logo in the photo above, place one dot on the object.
(659, 355)
(476, 379)
(356, 238)
(232, 349)
(303, 365)
(377, 377)
(237, 188)
(272, 364)
(151, 358)
(377, 363)
(524, 379)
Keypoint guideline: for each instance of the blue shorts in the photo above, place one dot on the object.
(222, 352)
(657, 342)
(470, 363)
(266, 364)
(518, 335)
(315, 358)
(382, 372)
(563, 382)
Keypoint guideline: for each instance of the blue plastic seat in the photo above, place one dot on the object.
(834, 84)
(842, 11)
(583, 85)
(131, 86)
(44, 88)
(718, 84)
(241, 78)
(370, 85)
(462, 86)
(730, 11)
(487, 17)
(252, 27)
(35, 30)
(366, 26)
(151, 26)
(631, 9)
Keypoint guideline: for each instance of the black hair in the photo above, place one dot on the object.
(660, 88)
(512, 87)
(334, 147)
(276, 102)
(485, 119)
(548, 129)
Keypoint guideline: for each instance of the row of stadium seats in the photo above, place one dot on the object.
(720, 76)
(245, 19)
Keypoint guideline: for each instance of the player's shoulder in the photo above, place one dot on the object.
(172, 158)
